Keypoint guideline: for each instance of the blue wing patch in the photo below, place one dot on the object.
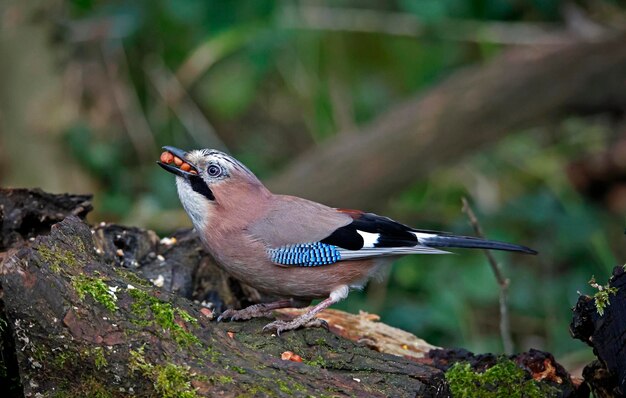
(305, 254)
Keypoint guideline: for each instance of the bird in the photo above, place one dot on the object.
(292, 248)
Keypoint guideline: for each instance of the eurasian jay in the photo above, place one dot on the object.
(291, 247)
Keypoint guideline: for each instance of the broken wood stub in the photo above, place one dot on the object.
(606, 334)
(26, 213)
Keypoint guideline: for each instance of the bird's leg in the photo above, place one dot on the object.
(259, 310)
(308, 319)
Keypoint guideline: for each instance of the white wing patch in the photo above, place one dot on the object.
(369, 239)
(423, 235)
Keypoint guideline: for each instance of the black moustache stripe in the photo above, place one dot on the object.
(198, 185)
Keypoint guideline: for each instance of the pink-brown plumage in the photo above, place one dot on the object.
(288, 246)
(280, 220)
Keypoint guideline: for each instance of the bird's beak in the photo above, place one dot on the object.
(174, 161)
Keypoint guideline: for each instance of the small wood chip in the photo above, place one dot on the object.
(231, 334)
(290, 356)
(168, 241)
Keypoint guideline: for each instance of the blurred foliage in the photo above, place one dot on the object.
(264, 83)
(522, 195)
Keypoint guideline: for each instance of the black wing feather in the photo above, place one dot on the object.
(345, 237)
(391, 233)
(394, 234)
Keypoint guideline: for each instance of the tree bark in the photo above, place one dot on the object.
(79, 321)
(26, 213)
(482, 104)
(606, 334)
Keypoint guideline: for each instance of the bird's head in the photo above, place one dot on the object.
(208, 178)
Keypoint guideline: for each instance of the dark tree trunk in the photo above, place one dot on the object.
(606, 333)
(81, 322)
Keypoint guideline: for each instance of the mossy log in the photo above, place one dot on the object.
(98, 311)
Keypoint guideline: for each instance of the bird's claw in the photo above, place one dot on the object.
(227, 315)
(282, 326)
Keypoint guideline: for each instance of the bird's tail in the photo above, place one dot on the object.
(432, 240)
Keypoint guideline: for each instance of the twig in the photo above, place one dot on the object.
(343, 112)
(203, 57)
(505, 325)
(178, 100)
(128, 105)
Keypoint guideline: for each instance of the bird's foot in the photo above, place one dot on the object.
(302, 321)
(253, 311)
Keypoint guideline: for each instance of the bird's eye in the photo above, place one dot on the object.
(214, 171)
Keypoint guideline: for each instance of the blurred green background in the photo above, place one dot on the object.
(90, 90)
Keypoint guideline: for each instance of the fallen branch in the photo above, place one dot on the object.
(517, 89)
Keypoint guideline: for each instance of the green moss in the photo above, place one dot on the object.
(61, 358)
(95, 287)
(603, 295)
(505, 379)
(267, 388)
(99, 360)
(170, 381)
(318, 362)
(137, 361)
(174, 381)
(298, 387)
(289, 388)
(163, 315)
(56, 257)
(282, 386)
(94, 389)
(237, 369)
(211, 353)
(89, 387)
(221, 379)
(257, 391)
(132, 277)
(40, 353)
